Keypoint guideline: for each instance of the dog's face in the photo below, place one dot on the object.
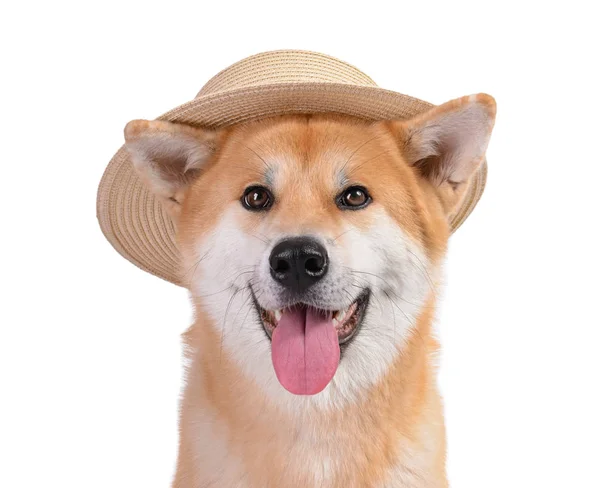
(313, 243)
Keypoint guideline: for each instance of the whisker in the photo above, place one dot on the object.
(369, 160)
(256, 154)
(356, 150)
(423, 270)
(195, 266)
(389, 286)
(248, 168)
(242, 306)
(260, 239)
(396, 305)
(411, 319)
(343, 233)
(247, 313)
(225, 323)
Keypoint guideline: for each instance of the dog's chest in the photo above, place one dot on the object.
(300, 455)
(267, 455)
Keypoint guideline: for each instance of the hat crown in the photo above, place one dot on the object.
(286, 67)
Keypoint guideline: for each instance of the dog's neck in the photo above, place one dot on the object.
(363, 441)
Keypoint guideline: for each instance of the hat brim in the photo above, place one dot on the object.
(138, 227)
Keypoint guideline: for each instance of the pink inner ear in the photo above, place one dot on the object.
(167, 156)
(453, 143)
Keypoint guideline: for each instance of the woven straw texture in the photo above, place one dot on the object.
(264, 85)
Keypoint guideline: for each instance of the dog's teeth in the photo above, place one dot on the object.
(277, 315)
(339, 315)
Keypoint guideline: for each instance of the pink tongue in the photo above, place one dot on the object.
(305, 351)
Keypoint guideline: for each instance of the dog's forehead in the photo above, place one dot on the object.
(297, 149)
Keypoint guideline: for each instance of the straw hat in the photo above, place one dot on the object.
(267, 84)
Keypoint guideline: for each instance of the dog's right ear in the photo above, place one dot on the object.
(168, 156)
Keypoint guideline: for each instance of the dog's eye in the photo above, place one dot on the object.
(257, 198)
(354, 198)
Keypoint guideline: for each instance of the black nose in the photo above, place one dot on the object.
(298, 263)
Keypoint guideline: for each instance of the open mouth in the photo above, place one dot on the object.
(306, 342)
(347, 322)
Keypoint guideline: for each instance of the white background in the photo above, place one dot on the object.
(90, 362)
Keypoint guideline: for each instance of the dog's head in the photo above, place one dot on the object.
(313, 242)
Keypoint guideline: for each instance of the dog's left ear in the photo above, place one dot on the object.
(447, 144)
(168, 156)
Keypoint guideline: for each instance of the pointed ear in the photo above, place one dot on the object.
(447, 144)
(168, 156)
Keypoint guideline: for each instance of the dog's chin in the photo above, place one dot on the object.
(347, 320)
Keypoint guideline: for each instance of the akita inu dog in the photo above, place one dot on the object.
(312, 246)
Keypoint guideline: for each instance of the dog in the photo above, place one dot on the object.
(313, 247)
